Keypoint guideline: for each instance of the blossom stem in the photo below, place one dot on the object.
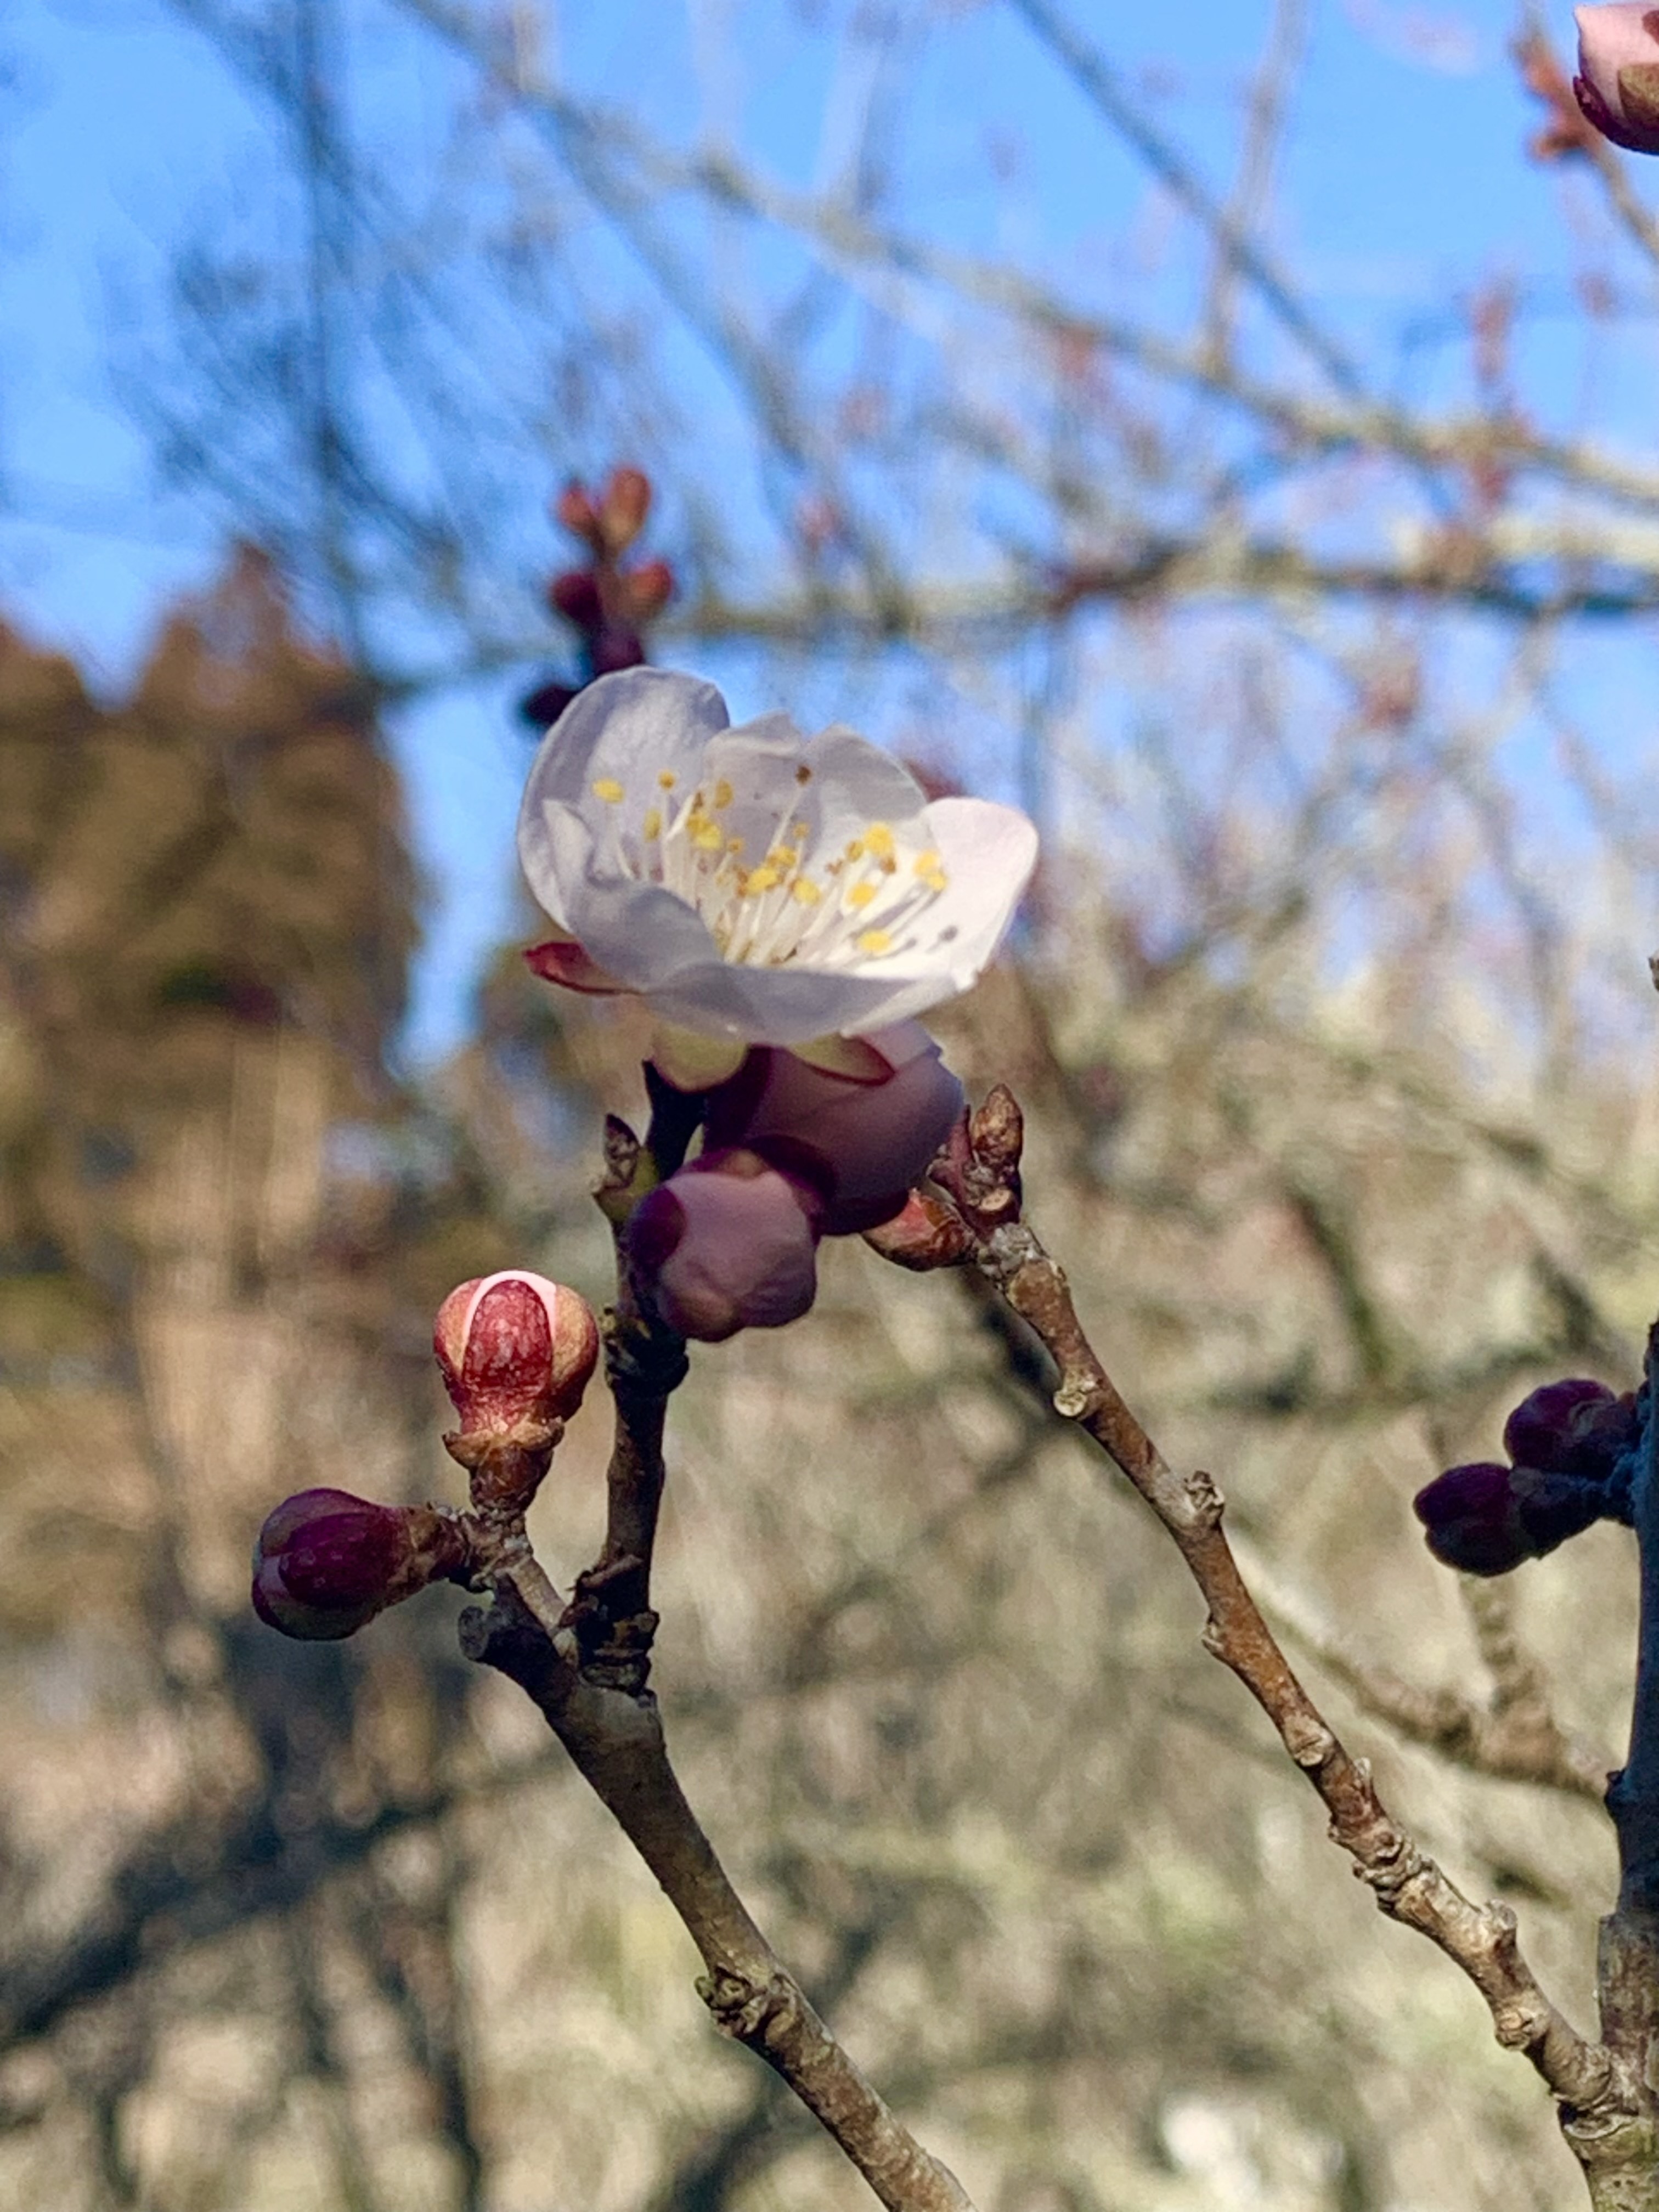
(615, 1737)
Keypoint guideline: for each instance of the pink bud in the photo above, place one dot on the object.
(1486, 1519)
(862, 1144)
(575, 596)
(727, 1243)
(326, 1562)
(515, 1348)
(624, 508)
(1572, 1427)
(929, 1232)
(1617, 83)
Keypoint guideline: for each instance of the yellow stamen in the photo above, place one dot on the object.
(860, 895)
(608, 788)
(937, 881)
(927, 864)
(652, 825)
(874, 941)
(706, 835)
(804, 891)
(722, 793)
(855, 850)
(799, 830)
(878, 838)
(735, 844)
(783, 856)
(666, 778)
(761, 879)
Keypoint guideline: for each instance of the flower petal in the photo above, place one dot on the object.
(631, 728)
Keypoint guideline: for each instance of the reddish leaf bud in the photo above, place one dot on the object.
(614, 646)
(648, 589)
(727, 1243)
(326, 1562)
(1572, 1427)
(576, 595)
(1617, 87)
(574, 511)
(1486, 1519)
(514, 1349)
(622, 509)
(928, 1233)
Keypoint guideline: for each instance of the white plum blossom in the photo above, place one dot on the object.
(754, 885)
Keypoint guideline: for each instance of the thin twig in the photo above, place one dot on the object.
(1608, 2112)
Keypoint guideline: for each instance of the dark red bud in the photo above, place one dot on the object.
(576, 595)
(326, 1562)
(1486, 1519)
(1574, 1426)
(617, 645)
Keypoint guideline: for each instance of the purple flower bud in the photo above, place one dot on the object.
(513, 1349)
(1617, 86)
(862, 1142)
(576, 595)
(1486, 1519)
(727, 1243)
(1572, 1427)
(326, 1562)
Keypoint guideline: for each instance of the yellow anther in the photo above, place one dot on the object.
(722, 793)
(927, 864)
(666, 779)
(799, 830)
(761, 879)
(706, 835)
(652, 825)
(855, 850)
(874, 942)
(859, 895)
(608, 788)
(878, 839)
(783, 856)
(804, 891)
(937, 881)
(735, 844)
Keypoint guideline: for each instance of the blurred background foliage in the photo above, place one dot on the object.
(1333, 689)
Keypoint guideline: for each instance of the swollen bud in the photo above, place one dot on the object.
(1573, 1427)
(1486, 1519)
(1617, 86)
(726, 1243)
(516, 1352)
(326, 1562)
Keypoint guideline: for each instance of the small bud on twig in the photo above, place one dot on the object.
(516, 1352)
(928, 1233)
(326, 1562)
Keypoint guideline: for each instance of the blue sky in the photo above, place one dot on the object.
(1403, 186)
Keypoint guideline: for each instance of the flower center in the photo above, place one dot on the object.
(788, 899)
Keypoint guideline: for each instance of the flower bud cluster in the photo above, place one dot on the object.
(792, 1153)
(1572, 1447)
(607, 606)
(516, 1352)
